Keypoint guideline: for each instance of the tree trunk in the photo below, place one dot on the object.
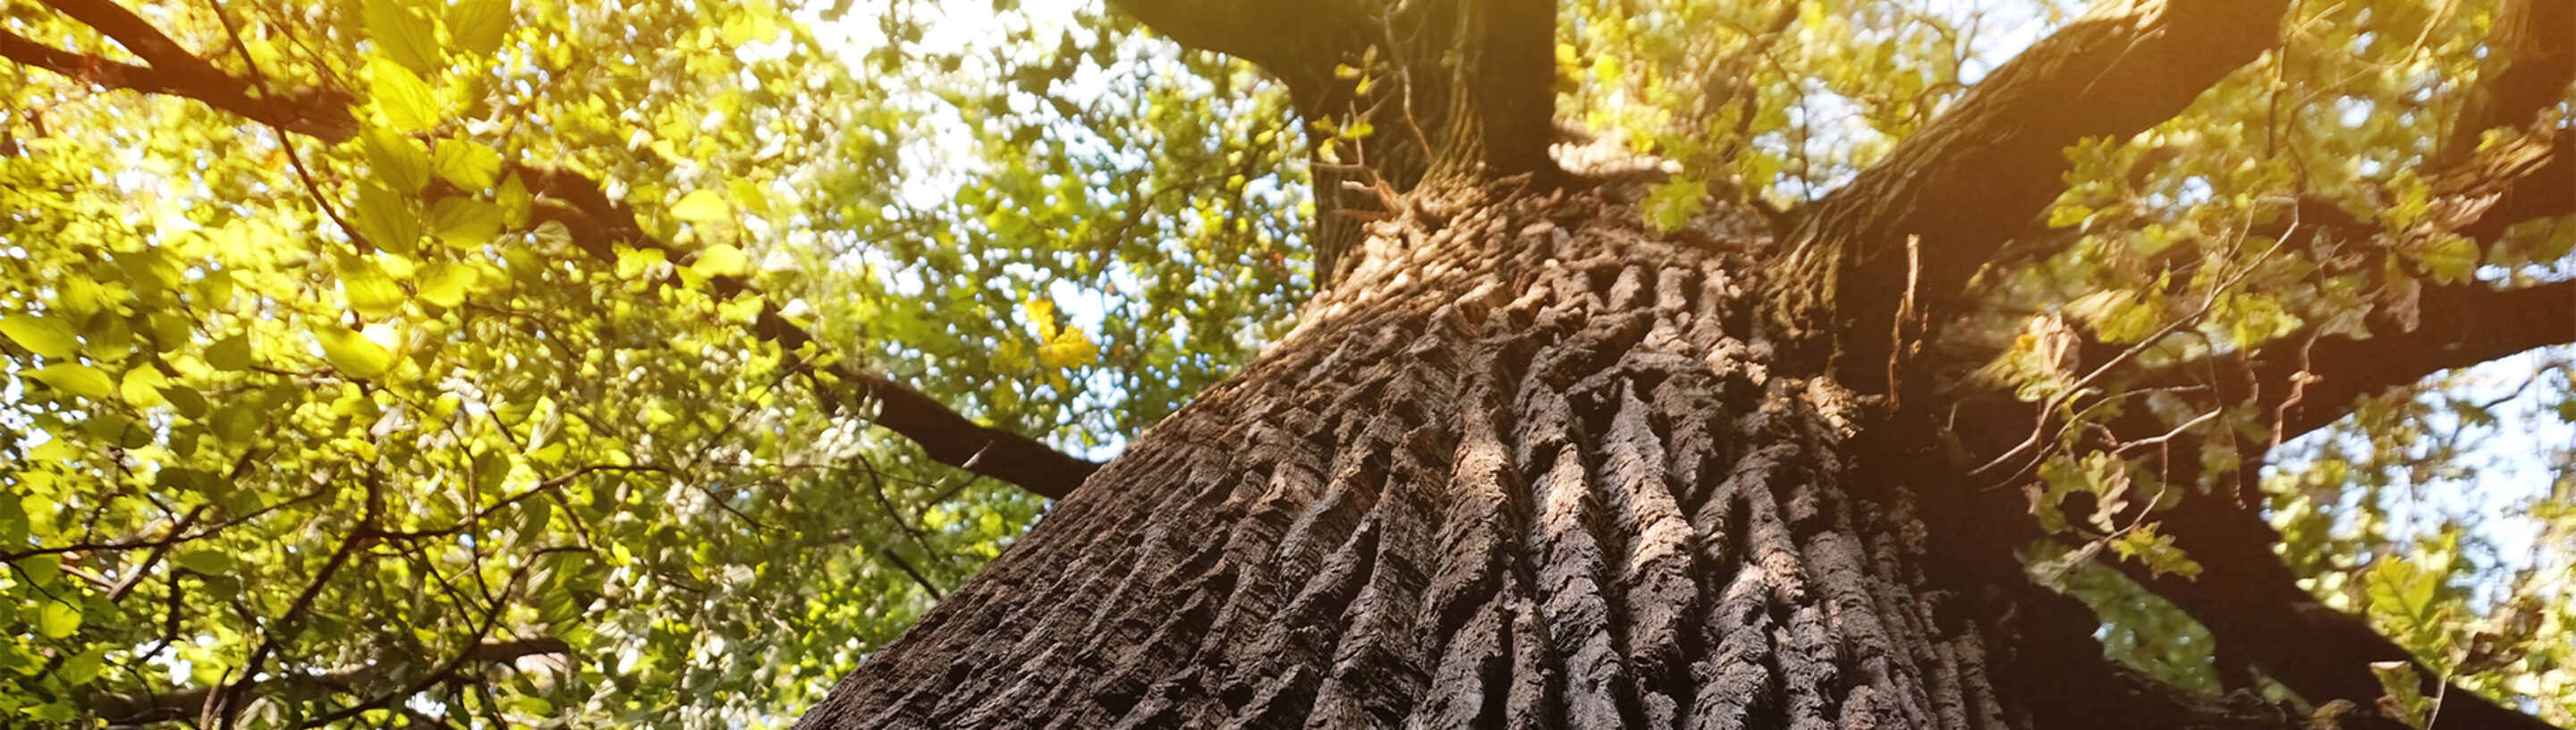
(1530, 465)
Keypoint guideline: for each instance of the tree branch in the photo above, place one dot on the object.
(1973, 177)
(2308, 381)
(2251, 602)
(321, 113)
(129, 710)
(2463, 326)
(600, 224)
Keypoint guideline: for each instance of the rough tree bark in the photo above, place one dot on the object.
(1526, 463)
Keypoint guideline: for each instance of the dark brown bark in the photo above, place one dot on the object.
(1531, 466)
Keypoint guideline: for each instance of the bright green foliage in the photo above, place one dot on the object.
(351, 410)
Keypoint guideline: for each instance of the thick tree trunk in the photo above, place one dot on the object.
(1529, 466)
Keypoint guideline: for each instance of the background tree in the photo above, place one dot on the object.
(485, 363)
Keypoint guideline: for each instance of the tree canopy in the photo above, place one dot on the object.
(501, 363)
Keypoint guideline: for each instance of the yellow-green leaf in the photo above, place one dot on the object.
(471, 166)
(81, 380)
(445, 284)
(45, 336)
(408, 102)
(386, 220)
(750, 196)
(208, 562)
(1067, 349)
(2450, 259)
(57, 619)
(186, 401)
(230, 353)
(479, 26)
(465, 223)
(371, 291)
(352, 353)
(399, 161)
(701, 207)
(142, 386)
(402, 35)
(720, 260)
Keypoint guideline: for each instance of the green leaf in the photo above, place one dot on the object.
(479, 26)
(400, 162)
(387, 220)
(371, 292)
(46, 336)
(57, 619)
(465, 223)
(408, 102)
(471, 166)
(702, 206)
(230, 353)
(206, 562)
(402, 35)
(446, 284)
(83, 667)
(81, 380)
(142, 386)
(720, 260)
(186, 401)
(352, 353)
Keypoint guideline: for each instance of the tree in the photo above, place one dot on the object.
(486, 363)
(1531, 461)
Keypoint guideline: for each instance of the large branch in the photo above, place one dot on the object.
(597, 222)
(2252, 604)
(2463, 326)
(320, 113)
(1973, 177)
